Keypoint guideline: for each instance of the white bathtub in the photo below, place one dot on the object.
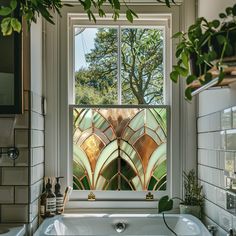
(136, 224)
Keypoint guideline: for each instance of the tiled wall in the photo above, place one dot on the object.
(216, 146)
(21, 180)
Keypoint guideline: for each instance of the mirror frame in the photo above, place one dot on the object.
(17, 107)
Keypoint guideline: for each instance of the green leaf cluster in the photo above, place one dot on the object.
(203, 46)
(30, 9)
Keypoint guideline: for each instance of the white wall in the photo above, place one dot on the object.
(213, 137)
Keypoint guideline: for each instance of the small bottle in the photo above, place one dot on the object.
(59, 197)
(50, 200)
(43, 202)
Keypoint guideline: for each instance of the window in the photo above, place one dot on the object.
(119, 65)
(119, 112)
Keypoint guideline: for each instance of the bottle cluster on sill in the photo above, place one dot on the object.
(51, 203)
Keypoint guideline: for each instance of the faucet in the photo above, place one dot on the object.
(230, 233)
(212, 229)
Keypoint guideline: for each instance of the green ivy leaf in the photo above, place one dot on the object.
(174, 75)
(165, 204)
(116, 4)
(181, 70)
(178, 34)
(16, 25)
(129, 16)
(188, 94)
(229, 10)
(190, 79)
(222, 15)
(234, 10)
(13, 4)
(208, 77)
(185, 59)
(5, 11)
(215, 23)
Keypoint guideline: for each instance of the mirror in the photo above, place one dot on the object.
(10, 72)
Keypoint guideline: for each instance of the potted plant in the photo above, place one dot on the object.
(203, 46)
(193, 197)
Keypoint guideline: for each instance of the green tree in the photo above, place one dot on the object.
(141, 68)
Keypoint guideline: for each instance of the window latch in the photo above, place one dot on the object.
(91, 197)
(149, 196)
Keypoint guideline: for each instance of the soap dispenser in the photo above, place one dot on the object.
(59, 197)
(50, 200)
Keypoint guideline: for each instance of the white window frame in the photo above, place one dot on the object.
(57, 90)
(80, 20)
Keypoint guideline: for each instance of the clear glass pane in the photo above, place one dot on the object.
(95, 65)
(142, 65)
(132, 162)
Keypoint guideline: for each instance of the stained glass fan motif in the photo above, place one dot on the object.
(119, 149)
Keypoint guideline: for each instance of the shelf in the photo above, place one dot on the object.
(230, 77)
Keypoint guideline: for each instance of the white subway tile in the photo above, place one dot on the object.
(34, 207)
(23, 159)
(215, 121)
(21, 194)
(21, 138)
(225, 219)
(226, 119)
(36, 190)
(14, 213)
(37, 173)
(37, 138)
(14, 176)
(37, 121)
(36, 103)
(7, 131)
(221, 197)
(22, 121)
(37, 156)
(6, 161)
(231, 139)
(6, 194)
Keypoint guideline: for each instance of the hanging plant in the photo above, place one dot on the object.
(204, 46)
(31, 9)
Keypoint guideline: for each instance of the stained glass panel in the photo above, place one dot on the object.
(119, 148)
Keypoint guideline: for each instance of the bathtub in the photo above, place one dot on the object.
(121, 224)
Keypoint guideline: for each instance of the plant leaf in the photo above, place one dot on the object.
(13, 4)
(190, 79)
(165, 204)
(5, 11)
(16, 25)
(188, 94)
(174, 75)
(129, 16)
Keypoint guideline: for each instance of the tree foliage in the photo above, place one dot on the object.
(141, 68)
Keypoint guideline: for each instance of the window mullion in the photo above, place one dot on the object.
(119, 88)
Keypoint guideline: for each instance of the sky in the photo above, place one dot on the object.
(84, 42)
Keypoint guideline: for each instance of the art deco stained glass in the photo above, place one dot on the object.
(119, 148)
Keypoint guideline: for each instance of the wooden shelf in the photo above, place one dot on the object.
(229, 78)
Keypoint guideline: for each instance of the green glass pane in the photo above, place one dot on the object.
(124, 185)
(161, 185)
(110, 170)
(99, 121)
(127, 170)
(127, 134)
(154, 136)
(78, 170)
(85, 119)
(113, 184)
(151, 122)
(76, 184)
(136, 136)
(152, 183)
(85, 183)
(160, 170)
(138, 121)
